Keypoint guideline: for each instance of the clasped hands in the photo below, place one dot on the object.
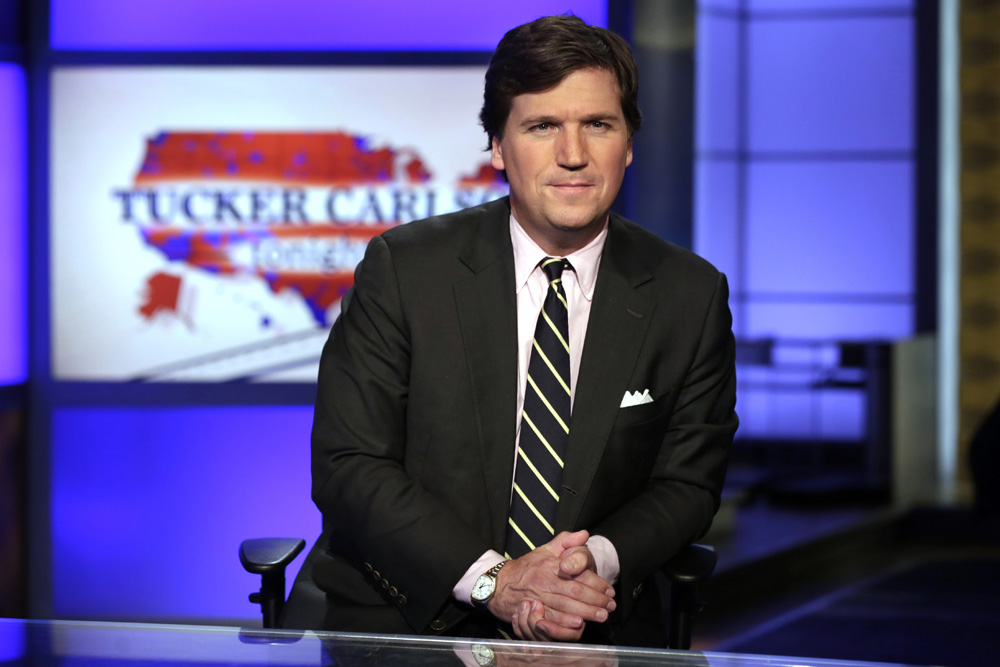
(551, 593)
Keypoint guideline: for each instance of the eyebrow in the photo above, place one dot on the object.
(552, 120)
(537, 120)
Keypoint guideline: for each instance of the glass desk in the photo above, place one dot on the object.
(93, 644)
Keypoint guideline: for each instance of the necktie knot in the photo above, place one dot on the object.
(553, 268)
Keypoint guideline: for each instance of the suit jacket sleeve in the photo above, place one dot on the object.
(374, 512)
(676, 504)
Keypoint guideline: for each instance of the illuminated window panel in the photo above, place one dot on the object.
(380, 25)
(826, 5)
(13, 226)
(716, 232)
(717, 71)
(836, 227)
(719, 4)
(842, 414)
(828, 320)
(782, 414)
(801, 414)
(843, 84)
(149, 505)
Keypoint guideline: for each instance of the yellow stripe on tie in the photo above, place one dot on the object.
(531, 547)
(541, 438)
(561, 298)
(541, 355)
(540, 476)
(555, 330)
(538, 515)
(548, 405)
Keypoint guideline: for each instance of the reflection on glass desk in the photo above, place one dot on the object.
(74, 643)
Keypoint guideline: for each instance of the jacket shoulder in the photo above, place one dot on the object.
(662, 256)
(449, 231)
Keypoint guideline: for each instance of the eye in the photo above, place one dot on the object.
(542, 127)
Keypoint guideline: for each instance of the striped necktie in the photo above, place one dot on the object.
(544, 422)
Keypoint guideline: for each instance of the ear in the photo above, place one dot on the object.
(628, 155)
(496, 155)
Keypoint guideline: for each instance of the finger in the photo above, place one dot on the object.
(577, 560)
(555, 617)
(591, 580)
(566, 540)
(520, 622)
(546, 629)
(591, 607)
(588, 590)
(516, 626)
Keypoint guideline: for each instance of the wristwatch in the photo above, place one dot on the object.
(486, 585)
(484, 655)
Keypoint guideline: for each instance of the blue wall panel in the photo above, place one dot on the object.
(830, 227)
(828, 319)
(827, 5)
(717, 109)
(716, 230)
(831, 85)
(13, 226)
(393, 25)
(149, 505)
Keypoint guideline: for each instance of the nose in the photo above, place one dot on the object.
(571, 149)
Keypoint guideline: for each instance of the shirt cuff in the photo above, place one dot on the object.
(605, 556)
(463, 589)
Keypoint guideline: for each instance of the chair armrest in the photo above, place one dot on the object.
(269, 557)
(691, 566)
(269, 554)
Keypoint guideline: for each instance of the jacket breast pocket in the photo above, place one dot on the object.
(647, 413)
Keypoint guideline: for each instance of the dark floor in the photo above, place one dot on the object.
(920, 587)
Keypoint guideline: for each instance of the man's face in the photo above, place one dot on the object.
(565, 151)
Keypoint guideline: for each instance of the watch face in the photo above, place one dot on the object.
(483, 588)
(483, 654)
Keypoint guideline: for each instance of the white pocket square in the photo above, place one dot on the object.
(632, 399)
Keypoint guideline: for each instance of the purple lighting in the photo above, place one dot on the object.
(13, 226)
(149, 506)
(385, 25)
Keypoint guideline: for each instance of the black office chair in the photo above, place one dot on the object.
(306, 605)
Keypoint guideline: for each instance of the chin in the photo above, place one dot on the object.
(577, 223)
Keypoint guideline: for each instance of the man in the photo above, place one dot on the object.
(429, 390)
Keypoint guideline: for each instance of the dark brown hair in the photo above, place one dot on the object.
(537, 56)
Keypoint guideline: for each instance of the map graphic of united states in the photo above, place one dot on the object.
(295, 209)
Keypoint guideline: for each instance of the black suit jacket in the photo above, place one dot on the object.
(413, 439)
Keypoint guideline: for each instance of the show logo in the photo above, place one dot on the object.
(295, 209)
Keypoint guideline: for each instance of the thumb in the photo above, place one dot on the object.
(565, 540)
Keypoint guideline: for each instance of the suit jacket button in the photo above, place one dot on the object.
(376, 575)
(401, 599)
(637, 591)
(368, 567)
(385, 584)
(393, 591)
(438, 625)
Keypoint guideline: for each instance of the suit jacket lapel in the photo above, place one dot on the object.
(488, 318)
(619, 318)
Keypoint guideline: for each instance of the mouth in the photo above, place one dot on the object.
(572, 186)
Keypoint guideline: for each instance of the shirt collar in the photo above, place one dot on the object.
(527, 256)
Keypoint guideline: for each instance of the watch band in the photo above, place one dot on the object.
(495, 570)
